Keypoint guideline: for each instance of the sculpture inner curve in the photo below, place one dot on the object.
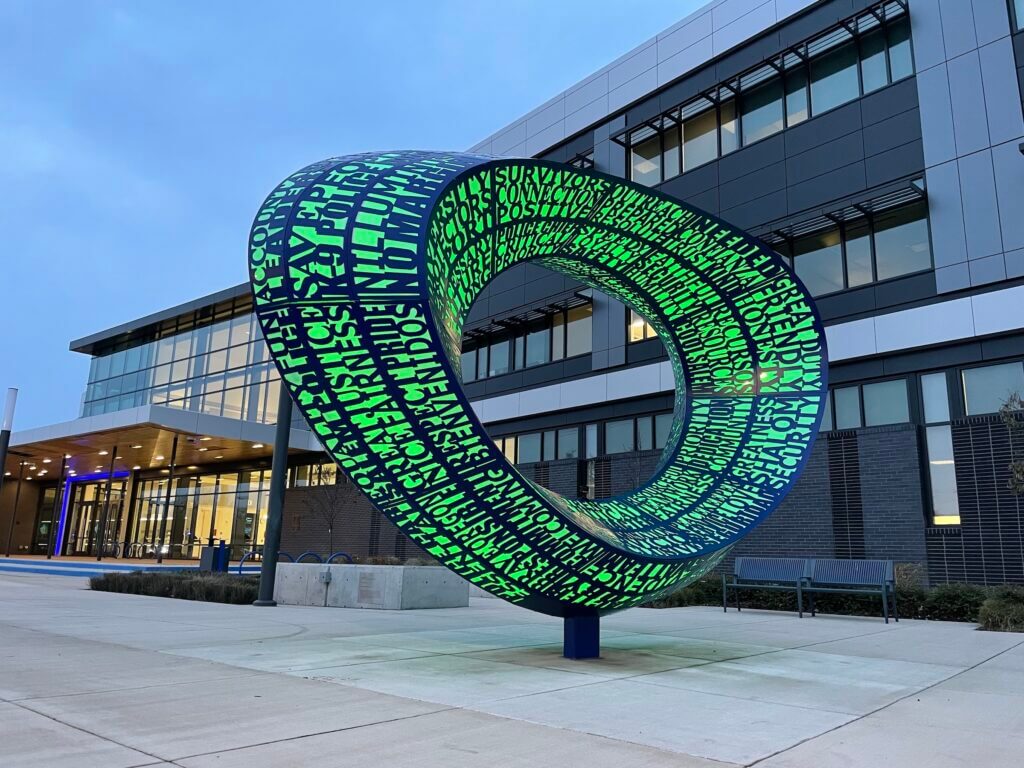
(364, 269)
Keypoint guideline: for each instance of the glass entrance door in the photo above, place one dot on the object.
(85, 518)
(82, 530)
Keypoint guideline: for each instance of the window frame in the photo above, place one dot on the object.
(870, 219)
(794, 60)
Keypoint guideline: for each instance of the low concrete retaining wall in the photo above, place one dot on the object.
(390, 587)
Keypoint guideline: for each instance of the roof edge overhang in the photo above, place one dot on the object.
(123, 332)
(162, 417)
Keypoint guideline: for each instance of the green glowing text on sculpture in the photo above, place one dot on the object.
(363, 270)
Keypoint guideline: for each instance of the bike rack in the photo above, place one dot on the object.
(252, 552)
(310, 553)
(346, 555)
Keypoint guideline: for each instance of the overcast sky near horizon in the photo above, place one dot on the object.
(138, 138)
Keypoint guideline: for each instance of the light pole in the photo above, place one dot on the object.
(5, 430)
(14, 512)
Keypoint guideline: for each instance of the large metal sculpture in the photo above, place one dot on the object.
(363, 269)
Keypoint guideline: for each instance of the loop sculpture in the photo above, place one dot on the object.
(363, 271)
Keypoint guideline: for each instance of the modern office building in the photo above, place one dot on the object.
(876, 145)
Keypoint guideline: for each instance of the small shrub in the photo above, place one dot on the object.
(1003, 611)
(421, 561)
(953, 602)
(183, 585)
(378, 560)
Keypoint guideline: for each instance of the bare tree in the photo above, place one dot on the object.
(1010, 412)
(326, 503)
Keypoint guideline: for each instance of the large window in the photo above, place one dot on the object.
(828, 71)
(945, 503)
(639, 328)
(562, 334)
(578, 330)
(1018, 14)
(646, 161)
(762, 111)
(618, 436)
(232, 506)
(885, 403)
(834, 78)
(818, 261)
(877, 247)
(986, 389)
(700, 139)
(547, 445)
(867, 405)
(642, 433)
(901, 241)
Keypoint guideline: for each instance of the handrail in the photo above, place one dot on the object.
(346, 555)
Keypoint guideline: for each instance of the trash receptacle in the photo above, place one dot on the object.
(209, 559)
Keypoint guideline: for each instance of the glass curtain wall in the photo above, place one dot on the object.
(222, 369)
(229, 506)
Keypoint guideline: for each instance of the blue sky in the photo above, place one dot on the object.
(138, 138)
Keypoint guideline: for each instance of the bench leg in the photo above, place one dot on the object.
(799, 601)
(725, 608)
(895, 607)
(885, 604)
(814, 606)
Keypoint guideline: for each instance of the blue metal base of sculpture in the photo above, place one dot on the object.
(582, 637)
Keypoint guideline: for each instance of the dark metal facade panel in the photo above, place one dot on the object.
(845, 491)
(991, 517)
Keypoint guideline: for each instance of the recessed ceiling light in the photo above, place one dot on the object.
(257, 445)
(166, 471)
(218, 457)
(46, 461)
(201, 450)
(136, 467)
(104, 453)
(204, 439)
(118, 458)
(42, 471)
(67, 455)
(99, 469)
(192, 466)
(32, 468)
(7, 474)
(158, 458)
(136, 447)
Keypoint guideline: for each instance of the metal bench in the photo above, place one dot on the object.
(780, 574)
(859, 577)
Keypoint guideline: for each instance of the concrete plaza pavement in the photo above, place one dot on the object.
(97, 679)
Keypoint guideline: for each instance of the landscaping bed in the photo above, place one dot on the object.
(184, 585)
(993, 608)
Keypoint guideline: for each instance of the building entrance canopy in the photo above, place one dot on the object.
(144, 438)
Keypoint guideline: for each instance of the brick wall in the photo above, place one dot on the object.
(860, 495)
(358, 528)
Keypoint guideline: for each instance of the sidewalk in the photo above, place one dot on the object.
(118, 680)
